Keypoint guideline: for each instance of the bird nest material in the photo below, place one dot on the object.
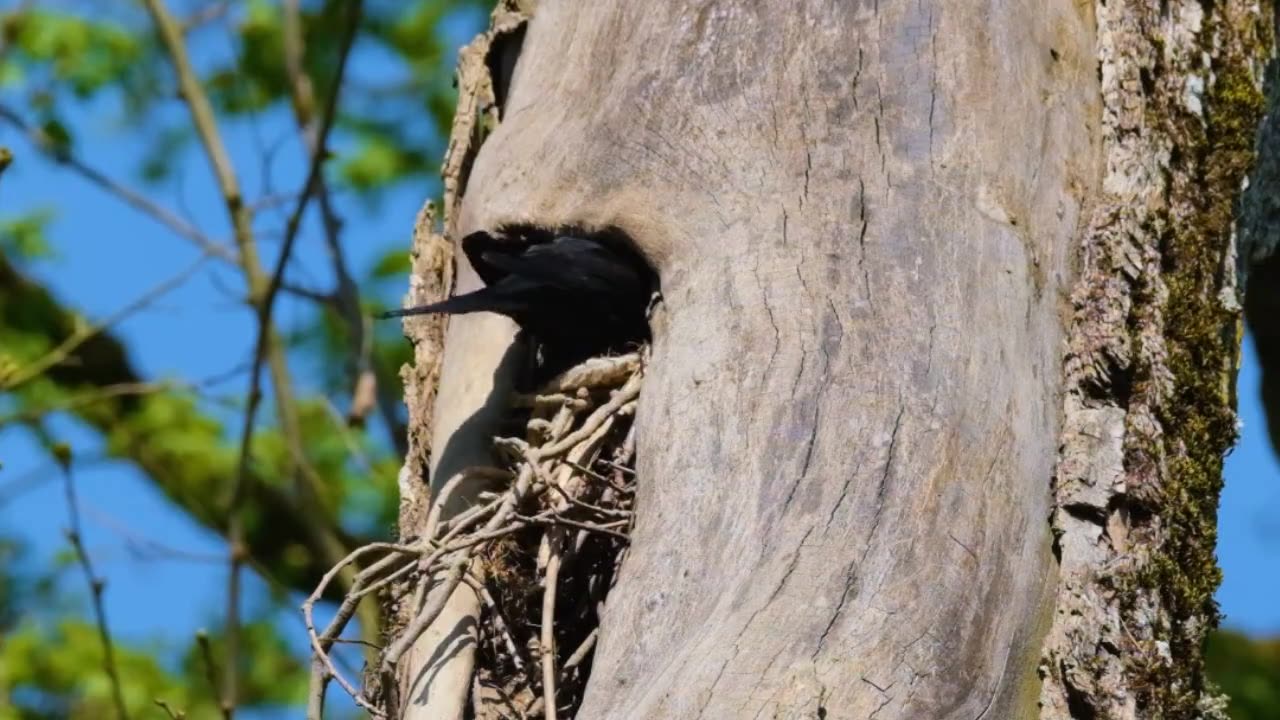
(541, 553)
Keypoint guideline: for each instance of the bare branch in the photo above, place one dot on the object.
(168, 710)
(129, 196)
(263, 290)
(548, 637)
(82, 334)
(346, 296)
(211, 673)
(96, 395)
(97, 585)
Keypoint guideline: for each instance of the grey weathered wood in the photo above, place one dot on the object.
(899, 243)
(862, 216)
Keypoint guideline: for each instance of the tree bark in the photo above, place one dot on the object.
(877, 225)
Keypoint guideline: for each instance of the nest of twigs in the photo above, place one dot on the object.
(541, 552)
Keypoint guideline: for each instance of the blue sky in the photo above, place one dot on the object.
(108, 254)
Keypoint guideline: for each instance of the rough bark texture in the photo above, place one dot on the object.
(1153, 351)
(876, 225)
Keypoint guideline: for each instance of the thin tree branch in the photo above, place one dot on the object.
(129, 196)
(96, 584)
(346, 294)
(263, 290)
(78, 338)
(211, 673)
(547, 639)
(97, 395)
(168, 710)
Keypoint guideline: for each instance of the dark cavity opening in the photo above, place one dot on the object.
(501, 59)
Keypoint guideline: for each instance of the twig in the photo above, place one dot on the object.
(581, 653)
(211, 671)
(556, 521)
(129, 196)
(106, 392)
(210, 12)
(429, 614)
(83, 334)
(547, 640)
(173, 714)
(606, 512)
(346, 297)
(499, 623)
(263, 290)
(34, 477)
(594, 372)
(629, 392)
(322, 669)
(143, 547)
(588, 472)
(317, 688)
(96, 584)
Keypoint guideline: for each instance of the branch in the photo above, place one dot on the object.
(96, 584)
(547, 638)
(211, 673)
(168, 710)
(96, 395)
(346, 295)
(263, 292)
(85, 333)
(131, 197)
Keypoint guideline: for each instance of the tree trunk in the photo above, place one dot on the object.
(877, 226)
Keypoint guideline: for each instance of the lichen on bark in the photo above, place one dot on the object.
(1153, 351)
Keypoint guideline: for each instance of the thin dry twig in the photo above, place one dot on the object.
(581, 653)
(129, 196)
(346, 296)
(97, 585)
(548, 636)
(91, 397)
(87, 332)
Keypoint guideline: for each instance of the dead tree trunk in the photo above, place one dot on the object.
(872, 483)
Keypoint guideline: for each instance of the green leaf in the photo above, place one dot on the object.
(25, 236)
(394, 263)
(57, 136)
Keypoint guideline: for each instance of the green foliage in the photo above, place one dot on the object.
(1247, 670)
(24, 236)
(83, 55)
(55, 670)
(377, 161)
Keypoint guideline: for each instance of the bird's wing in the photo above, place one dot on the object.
(573, 264)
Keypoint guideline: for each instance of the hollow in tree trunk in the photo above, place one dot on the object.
(942, 376)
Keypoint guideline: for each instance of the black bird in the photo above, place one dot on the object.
(577, 297)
